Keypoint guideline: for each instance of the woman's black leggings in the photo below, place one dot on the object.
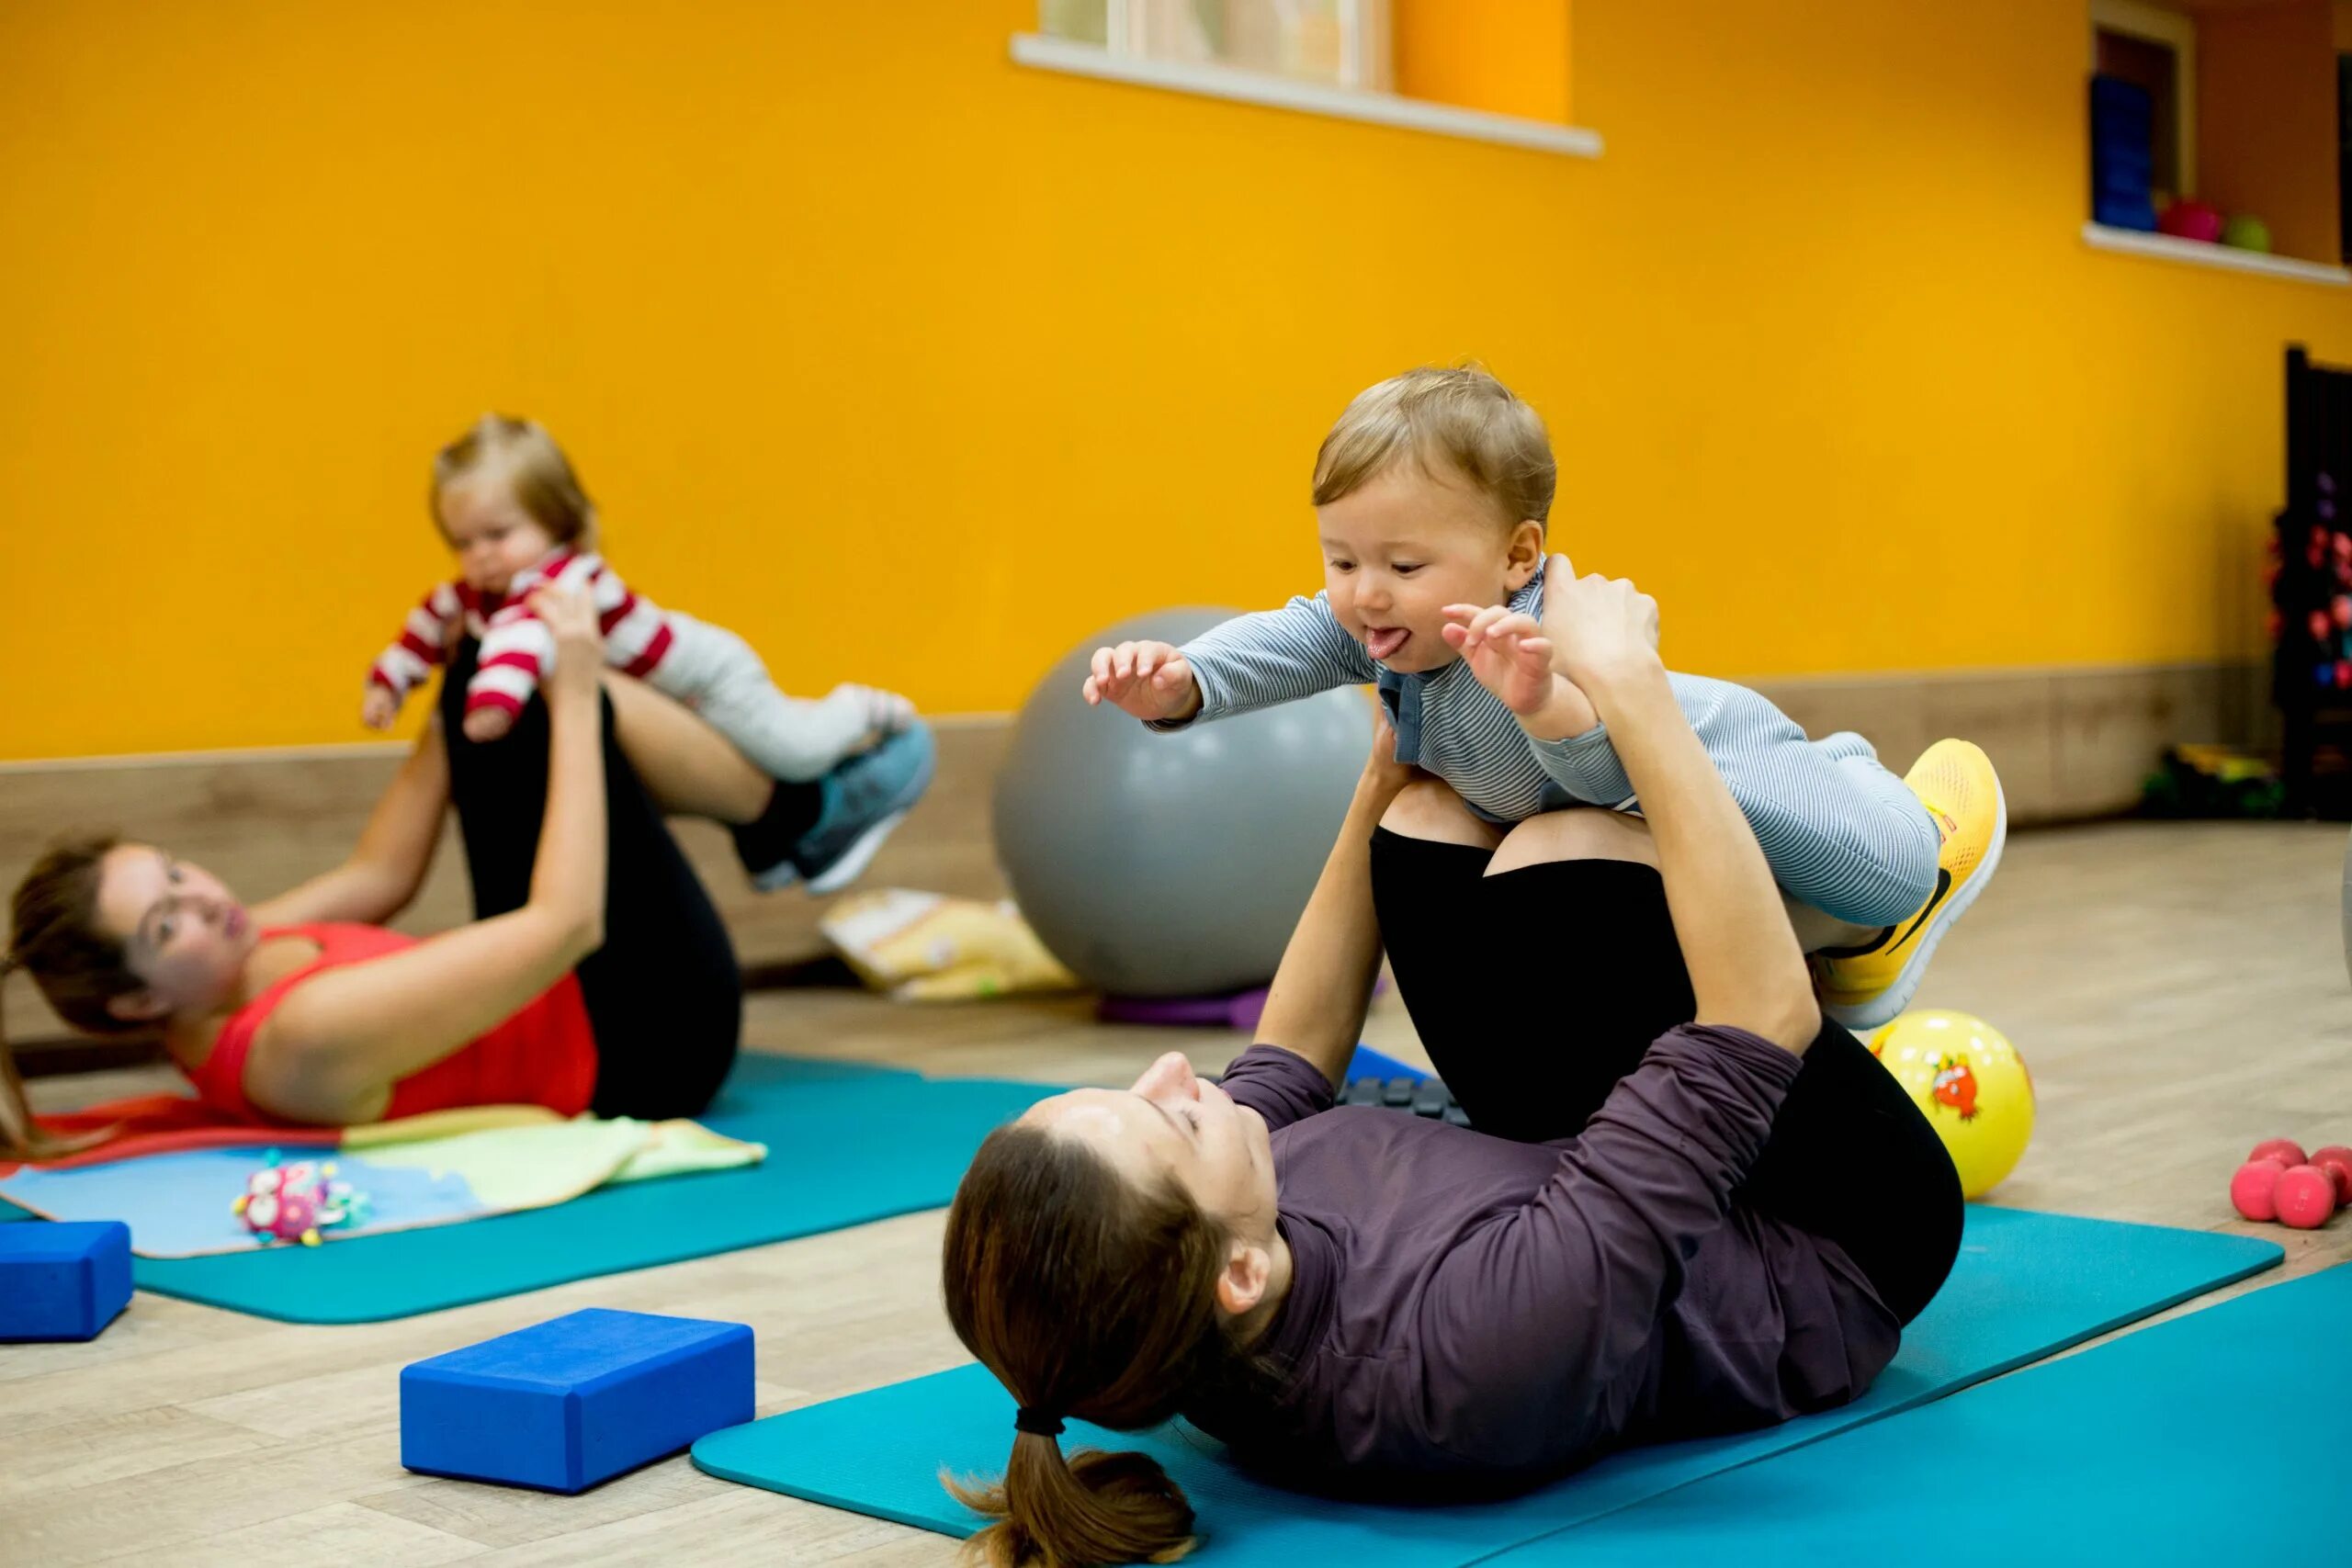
(663, 993)
(1530, 1040)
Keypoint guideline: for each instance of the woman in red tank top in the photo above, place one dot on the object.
(596, 973)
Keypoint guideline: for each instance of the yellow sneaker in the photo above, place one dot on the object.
(1865, 986)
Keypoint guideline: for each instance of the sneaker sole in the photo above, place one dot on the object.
(1888, 1005)
(854, 860)
(776, 878)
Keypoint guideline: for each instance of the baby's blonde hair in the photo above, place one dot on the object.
(541, 477)
(1461, 418)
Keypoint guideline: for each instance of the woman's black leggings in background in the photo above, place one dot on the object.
(664, 996)
(1530, 1033)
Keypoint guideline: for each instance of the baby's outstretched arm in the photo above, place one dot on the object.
(1149, 679)
(1250, 662)
(411, 657)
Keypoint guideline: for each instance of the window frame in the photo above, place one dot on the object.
(1115, 60)
(2173, 30)
(1364, 66)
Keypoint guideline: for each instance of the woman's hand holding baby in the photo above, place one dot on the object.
(1599, 627)
(1149, 679)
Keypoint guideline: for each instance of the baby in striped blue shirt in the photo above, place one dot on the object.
(1432, 494)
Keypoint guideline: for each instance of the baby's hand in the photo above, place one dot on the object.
(485, 724)
(1507, 650)
(1149, 679)
(1508, 653)
(379, 708)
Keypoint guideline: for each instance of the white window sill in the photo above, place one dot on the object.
(2198, 253)
(1046, 53)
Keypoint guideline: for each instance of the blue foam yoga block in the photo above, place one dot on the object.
(65, 1280)
(575, 1400)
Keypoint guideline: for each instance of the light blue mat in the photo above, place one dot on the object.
(846, 1143)
(2026, 1285)
(2218, 1438)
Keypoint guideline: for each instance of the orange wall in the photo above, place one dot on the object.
(1505, 56)
(917, 366)
(2266, 121)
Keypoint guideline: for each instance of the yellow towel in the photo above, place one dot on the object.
(927, 947)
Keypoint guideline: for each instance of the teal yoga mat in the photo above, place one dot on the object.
(2218, 1438)
(846, 1143)
(2026, 1285)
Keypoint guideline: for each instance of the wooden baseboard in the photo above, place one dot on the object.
(2071, 744)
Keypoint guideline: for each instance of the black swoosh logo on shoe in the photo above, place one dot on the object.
(1943, 885)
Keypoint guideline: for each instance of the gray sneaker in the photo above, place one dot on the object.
(865, 799)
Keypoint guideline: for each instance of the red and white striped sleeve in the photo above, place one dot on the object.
(517, 649)
(636, 634)
(413, 656)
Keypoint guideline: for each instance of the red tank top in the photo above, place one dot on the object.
(545, 1055)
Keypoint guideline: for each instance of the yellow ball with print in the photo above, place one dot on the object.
(1971, 1084)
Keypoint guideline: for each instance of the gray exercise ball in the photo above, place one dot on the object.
(1171, 864)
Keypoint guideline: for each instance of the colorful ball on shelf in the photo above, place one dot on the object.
(2190, 220)
(2340, 609)
(2317, 622)
(2246, 232)
(1971, 1084)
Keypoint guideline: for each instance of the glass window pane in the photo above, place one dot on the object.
(1085, 21)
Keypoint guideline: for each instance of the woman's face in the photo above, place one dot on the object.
(185, 936)
(1171, 1122)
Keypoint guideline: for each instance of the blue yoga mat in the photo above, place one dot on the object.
(846, 1143)
(2026, 1285)
(2218, 1438)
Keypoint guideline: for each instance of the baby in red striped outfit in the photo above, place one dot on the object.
(515, 516)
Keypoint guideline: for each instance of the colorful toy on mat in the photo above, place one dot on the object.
(2279, 1182)
(295, 1203)
(1973, 1085)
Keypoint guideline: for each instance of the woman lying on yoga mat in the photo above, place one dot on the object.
(1732, 1234)
(596, 974)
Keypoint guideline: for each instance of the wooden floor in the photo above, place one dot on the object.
(2179, 991)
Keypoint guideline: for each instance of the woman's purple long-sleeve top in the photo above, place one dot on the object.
(1464, 1306)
